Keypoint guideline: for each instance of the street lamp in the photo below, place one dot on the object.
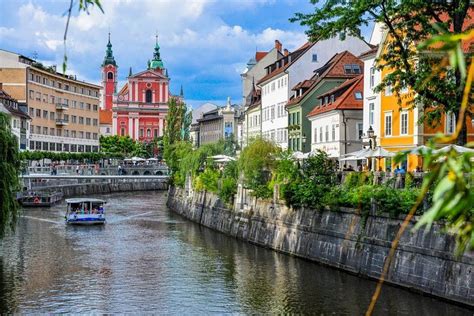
(303, 141)
(372, 137)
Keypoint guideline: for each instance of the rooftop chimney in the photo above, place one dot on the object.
(278, 45)
(285, 52)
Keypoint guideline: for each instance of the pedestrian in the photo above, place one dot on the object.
(119, 171)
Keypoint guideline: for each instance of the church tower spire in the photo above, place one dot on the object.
(156, 62)
(109, 55)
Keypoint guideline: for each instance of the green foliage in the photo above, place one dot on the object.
(400, 18)
(317, 177)
(228, 189)
(124, 146)
(256, 162)
(208, 180)
(9, 168)
(65, 156)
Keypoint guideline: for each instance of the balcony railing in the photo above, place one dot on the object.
(62, 106)
(62, 122)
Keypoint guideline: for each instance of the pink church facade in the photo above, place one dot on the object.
(140, 107)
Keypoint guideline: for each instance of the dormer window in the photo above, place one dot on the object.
(301, 92)
(358, 95)
(326, 100)
(315, 58)
(332, 98)
(352, 69)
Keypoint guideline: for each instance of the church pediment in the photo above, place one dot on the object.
(147, 74)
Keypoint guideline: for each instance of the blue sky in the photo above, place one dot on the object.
(205, 43)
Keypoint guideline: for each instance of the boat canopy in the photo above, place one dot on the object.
(82, 200)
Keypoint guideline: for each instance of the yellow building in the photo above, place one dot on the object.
(400, 128)
(64, 111)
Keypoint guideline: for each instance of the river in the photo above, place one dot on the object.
(148, 259)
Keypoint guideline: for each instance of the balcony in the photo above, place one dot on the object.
(62, 122)
(61, 106)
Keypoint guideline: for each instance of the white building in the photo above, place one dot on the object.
(336, 123)
(372, 78)
(286, 72)
(19, 122)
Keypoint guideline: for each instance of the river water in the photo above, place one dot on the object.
(148, 259)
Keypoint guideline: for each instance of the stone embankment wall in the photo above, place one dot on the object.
(102, 188)
(343, 239)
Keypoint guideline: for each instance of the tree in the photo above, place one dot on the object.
(178, 121)
(9, 166)
(408, 23)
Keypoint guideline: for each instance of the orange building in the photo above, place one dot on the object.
(400, 128)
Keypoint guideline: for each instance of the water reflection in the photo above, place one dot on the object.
(148, 259)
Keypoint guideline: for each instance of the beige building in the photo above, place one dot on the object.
(64, 111)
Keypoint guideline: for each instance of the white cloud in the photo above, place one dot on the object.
(197, 45)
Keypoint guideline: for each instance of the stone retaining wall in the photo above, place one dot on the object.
(423, 262)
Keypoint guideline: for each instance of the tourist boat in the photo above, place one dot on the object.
(39, 199)
(85, 211)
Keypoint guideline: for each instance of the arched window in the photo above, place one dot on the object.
(148, 96)
(148, 133)
(110, 75)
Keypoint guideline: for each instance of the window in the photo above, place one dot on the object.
(52, 99)
(38, 96)
(88, 106)
(450, 122)
(388, 90)
(32, 76)
(388, 124)
(74, 119)
(38, 113)
(273, 86)
(51, 115)
(81, 105)
(88, 135)
(110, 75)
(148, 132)
(95, 122)
(38, 129)
(107, 130)
(81, 134)
(148, 96)
(333, 132)
(66, 87)
(332, 98)
(73, 134)
(58, 132)
(74, 104)
(315, 58)
(95, 135)
(321, 134)
(155, 133)
(45, 114)
(52, 131)
(122, 131)
(45, 98)
(404, 123)
(352, 69)
(60, 85)
(88, 121)
(52, 146)
(95, 107)
(81, 120)
(371, 113)
(45, 131)
(141, 132)
(32, 112)
(372, 77)
(358, 95)
(326, 100)
(32, 94)
(45, 146)
(327, 133)
(360, 130)
(315, 136)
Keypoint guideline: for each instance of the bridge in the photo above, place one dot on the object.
(44, 182)
(126, 169)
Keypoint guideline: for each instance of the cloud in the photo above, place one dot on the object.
(202, 44)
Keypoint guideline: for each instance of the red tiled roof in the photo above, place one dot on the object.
(371, 51)
(334, 68)
(260, 55)
(105, 116)
(294, 56)
(346, 101)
